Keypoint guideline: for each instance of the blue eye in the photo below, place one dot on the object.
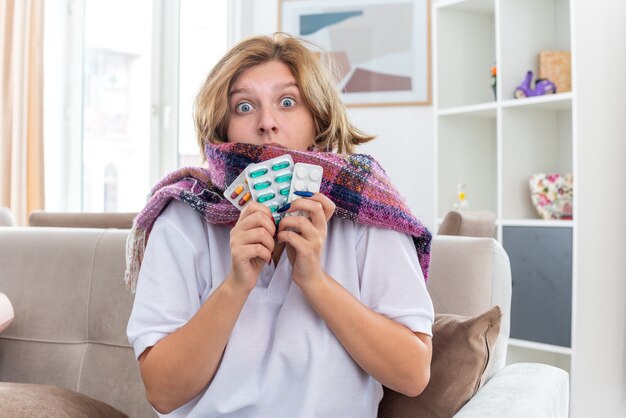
(288, 102)
(244, 107)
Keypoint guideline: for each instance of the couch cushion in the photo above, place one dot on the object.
(35, 401)
(461, 353)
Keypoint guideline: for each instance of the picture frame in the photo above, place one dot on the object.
(380, 48)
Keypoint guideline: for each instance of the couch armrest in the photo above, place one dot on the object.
(521, 390)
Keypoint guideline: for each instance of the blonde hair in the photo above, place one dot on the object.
(316, 83)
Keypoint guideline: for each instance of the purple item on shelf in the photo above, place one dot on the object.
(542, 86)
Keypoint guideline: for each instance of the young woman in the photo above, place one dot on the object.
(237, 317)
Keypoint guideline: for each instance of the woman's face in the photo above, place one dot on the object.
(266, 108)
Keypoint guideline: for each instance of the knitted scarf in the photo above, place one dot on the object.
(356, 183)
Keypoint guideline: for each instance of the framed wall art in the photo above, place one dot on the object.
(380, 48)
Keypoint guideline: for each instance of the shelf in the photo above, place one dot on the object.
(475, 6)
(467, 154)
(527, 28)
(465, 53)
(536, 222)
(533, 141)
(493, 147)
(554, 102)
(487, 110)
(540, 347)
(551, 102)
(528, 222)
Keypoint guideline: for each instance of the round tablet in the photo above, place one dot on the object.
(315, 175)
(300, 185)
(301, 173)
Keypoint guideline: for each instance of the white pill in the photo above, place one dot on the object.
(315, 175)
(302, 172)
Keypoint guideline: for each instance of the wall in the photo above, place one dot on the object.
(405, 138)
(599, 331)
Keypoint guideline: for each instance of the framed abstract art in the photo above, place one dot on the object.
(380, 49)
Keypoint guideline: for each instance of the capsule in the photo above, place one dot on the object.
(273, 208)
(266, 197)
(244, 199)
(283, 178)
(262, 185)
(280, 165)
(258, 173)
(284, 191)
(236, 192)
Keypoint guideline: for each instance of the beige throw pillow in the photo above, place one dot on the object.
(462, 348)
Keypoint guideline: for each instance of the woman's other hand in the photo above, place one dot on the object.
(306, 237)
(251, 245)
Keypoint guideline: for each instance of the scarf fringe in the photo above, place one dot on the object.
(135, 247)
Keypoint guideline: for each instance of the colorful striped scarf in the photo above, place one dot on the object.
(356, 183)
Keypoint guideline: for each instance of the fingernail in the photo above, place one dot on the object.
(303, 193)
(284, 208)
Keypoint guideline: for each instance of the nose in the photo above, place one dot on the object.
(267, 122)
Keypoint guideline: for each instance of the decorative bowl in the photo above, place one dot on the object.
(552, 195)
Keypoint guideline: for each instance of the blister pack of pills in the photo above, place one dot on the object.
(238, 193)
(306, 178)
(273, 183)
(270, 181)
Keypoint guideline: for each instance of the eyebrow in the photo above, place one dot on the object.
(277, 87)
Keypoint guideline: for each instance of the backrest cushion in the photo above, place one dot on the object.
(469, 223)
(121, 220)
(71, 310)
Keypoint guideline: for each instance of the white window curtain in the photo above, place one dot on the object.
(21, 107)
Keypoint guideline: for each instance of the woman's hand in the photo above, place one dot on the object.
(251, 245)
(306, 237)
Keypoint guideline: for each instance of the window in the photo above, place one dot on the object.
(120, 81)
(203, 33)
(116, 102)
(110, 188)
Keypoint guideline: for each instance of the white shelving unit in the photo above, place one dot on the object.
(493, 145)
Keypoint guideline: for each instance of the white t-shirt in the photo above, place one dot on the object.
(281, 359)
